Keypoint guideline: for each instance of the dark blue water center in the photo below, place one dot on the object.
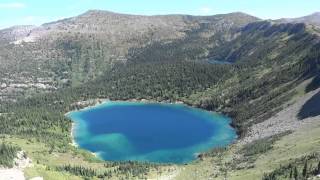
(149, 132)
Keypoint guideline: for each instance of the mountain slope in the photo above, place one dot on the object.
(74, 50)
(265, 70)
(312, 19)
(251, 91)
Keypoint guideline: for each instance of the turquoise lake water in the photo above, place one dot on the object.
(161, 133)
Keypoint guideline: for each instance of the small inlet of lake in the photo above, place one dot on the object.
(160, 133)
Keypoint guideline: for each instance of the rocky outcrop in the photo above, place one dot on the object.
(16, 173)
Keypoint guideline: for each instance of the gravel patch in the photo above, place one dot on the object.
(285, 120)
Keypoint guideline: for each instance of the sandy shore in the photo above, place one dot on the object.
(74, 143)
(72, 135)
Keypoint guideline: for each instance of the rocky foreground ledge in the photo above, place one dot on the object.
(16, 173)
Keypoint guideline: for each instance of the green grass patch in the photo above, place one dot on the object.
(262, 145)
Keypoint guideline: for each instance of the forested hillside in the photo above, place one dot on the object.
(234, 64)
(72, 51)
(264, 82)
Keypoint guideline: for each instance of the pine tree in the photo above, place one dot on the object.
(291, 173)
(305, 169)
(295, 173)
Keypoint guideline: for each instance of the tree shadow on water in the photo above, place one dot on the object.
(311, 108)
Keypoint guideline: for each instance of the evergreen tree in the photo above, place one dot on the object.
(296, 173)
(7, 154)
(291, 173)
(305, 169)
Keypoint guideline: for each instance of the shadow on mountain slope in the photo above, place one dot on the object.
(311, 108)
(315, 84)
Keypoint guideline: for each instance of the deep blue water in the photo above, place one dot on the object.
(161, 133)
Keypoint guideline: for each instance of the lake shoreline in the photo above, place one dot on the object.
(74, 143)
(101, 103)
(84, 105)
(88, 104)
(73, 124)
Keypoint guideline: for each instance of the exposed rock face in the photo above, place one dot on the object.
(16, 33)
(16, 173)
(22, 161)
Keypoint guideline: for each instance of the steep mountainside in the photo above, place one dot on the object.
(75, 50)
